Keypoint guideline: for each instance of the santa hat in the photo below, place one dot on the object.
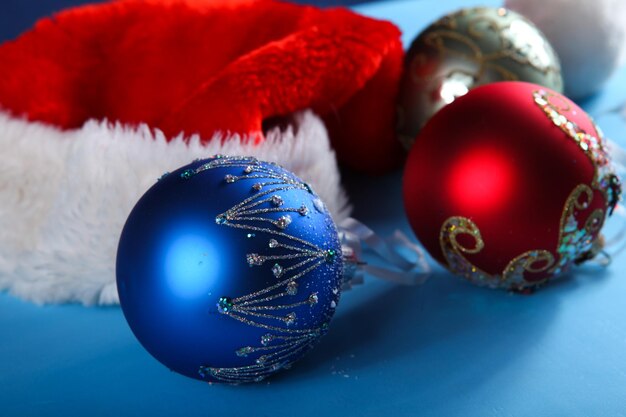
(97, 102)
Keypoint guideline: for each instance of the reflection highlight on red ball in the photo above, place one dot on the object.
(481, 179)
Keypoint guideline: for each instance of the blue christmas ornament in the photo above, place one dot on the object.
(229, 269)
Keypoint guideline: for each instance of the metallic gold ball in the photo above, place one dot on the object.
(465, 49)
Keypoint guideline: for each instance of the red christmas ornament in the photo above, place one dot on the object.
(510, 185)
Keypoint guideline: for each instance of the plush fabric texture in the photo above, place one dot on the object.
(201, 66)
(66, 195)
(97, 102)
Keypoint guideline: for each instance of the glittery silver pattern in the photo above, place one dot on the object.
(290, 318)
(277, 270)
(266, 339)
(244, 351)
(254, 259)
(292, 288)
(283, 222)
(277, 201)
(466, 49)
(282, 342)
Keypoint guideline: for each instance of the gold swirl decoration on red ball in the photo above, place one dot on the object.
(576, 243)
(512, 277)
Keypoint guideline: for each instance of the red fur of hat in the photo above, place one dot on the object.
(203, 66)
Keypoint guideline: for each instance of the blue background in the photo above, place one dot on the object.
(444, 349)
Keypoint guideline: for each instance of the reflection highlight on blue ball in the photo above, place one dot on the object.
(191, 265)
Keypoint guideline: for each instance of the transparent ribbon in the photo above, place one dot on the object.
(404, 261)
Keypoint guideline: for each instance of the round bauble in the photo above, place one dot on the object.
(510, 185)
(588, 37)
(465, 49)
(229, 269)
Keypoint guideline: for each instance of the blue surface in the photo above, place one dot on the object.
(444, 349)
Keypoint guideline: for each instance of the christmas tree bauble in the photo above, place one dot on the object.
(510, 185)
(465, 49)
(229, 269)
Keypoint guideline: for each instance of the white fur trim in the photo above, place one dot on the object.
(587, 35)
(65, 195)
